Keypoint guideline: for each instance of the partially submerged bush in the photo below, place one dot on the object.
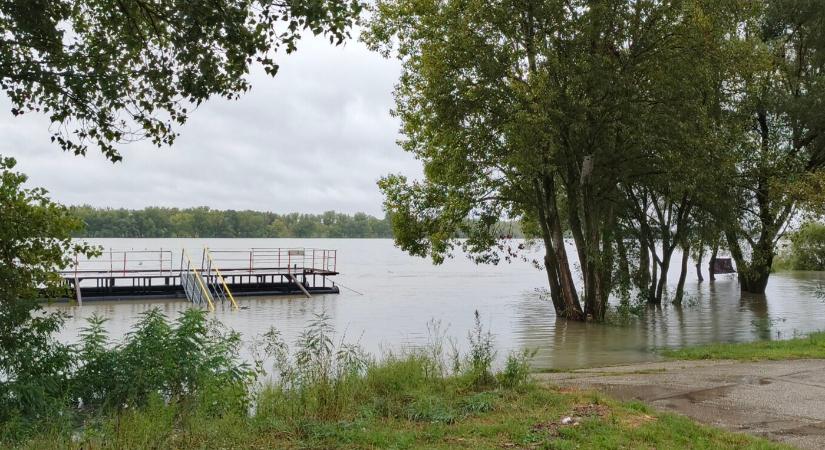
(189, 360)
(313, 380)
(324, 378)
(188, 369)
(174, 360)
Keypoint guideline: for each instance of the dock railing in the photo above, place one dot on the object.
(135, 263)
(287, 260)
(127, 263)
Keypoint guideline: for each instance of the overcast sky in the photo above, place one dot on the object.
(314, 138)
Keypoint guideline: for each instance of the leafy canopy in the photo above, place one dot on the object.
(112, 71)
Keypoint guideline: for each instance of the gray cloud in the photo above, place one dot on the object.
(314, 138)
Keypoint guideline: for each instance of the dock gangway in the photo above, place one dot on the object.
(215, 280)
(193, 283)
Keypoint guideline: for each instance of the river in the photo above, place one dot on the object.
(397, 295)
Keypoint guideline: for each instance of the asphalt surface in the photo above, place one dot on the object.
(779, 400)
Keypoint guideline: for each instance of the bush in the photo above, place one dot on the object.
(169, 378)
(516, 370)
(35, 240)
(188, 361)
(184, 359)
(807, 250)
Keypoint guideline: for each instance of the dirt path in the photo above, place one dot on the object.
(779, 400)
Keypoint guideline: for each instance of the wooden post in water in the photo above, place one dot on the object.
(77, 290)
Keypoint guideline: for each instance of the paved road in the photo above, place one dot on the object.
(779, 400)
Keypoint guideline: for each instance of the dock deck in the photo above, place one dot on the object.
(163, 273)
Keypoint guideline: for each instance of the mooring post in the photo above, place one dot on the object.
(77, 290)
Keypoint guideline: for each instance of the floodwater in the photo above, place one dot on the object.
(388, 297)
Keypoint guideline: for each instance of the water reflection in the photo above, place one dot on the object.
(402, 294)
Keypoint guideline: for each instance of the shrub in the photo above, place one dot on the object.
(35, 240)
(482, 354)
(807, 250)
(188, 361)
(516, 370)
(319, 379)
(175, 360)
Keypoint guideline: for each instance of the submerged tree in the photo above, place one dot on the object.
(539, 111)
(111, 71)
(781, 160)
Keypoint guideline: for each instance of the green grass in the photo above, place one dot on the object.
(397, 405)
(325, 396)
(812, 346)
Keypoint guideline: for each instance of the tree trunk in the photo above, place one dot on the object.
(550, 266)
(643, 277)
(654, 280)
(712, 263)
(699, 259)
(680, 287)
(664, 266)
(624, 270)
(568, 287)
(755, 281)
(566, 302)
(753, 275)
(661, 286)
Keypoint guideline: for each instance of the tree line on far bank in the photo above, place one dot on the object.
(204, 222)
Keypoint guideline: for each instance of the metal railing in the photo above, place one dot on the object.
(127, 263)
(283, 259)
(136, 263)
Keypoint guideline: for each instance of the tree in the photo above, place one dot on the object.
(538, 111)
(783, 154)
(112, 71)
(35, 240)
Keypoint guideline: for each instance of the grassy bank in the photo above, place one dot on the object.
(396, 404)
(811, 346)
(324, 393)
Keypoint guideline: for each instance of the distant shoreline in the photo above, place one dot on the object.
(204, 222)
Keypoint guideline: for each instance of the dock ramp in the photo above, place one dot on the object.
(193, 283)
(215, 280)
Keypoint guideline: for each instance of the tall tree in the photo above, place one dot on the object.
(783, 155)
(537, 110)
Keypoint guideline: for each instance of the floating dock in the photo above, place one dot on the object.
(213, 276)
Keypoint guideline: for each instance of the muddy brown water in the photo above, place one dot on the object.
(401, 294)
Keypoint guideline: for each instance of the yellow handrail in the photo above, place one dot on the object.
(220, 277)
(204, 291)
